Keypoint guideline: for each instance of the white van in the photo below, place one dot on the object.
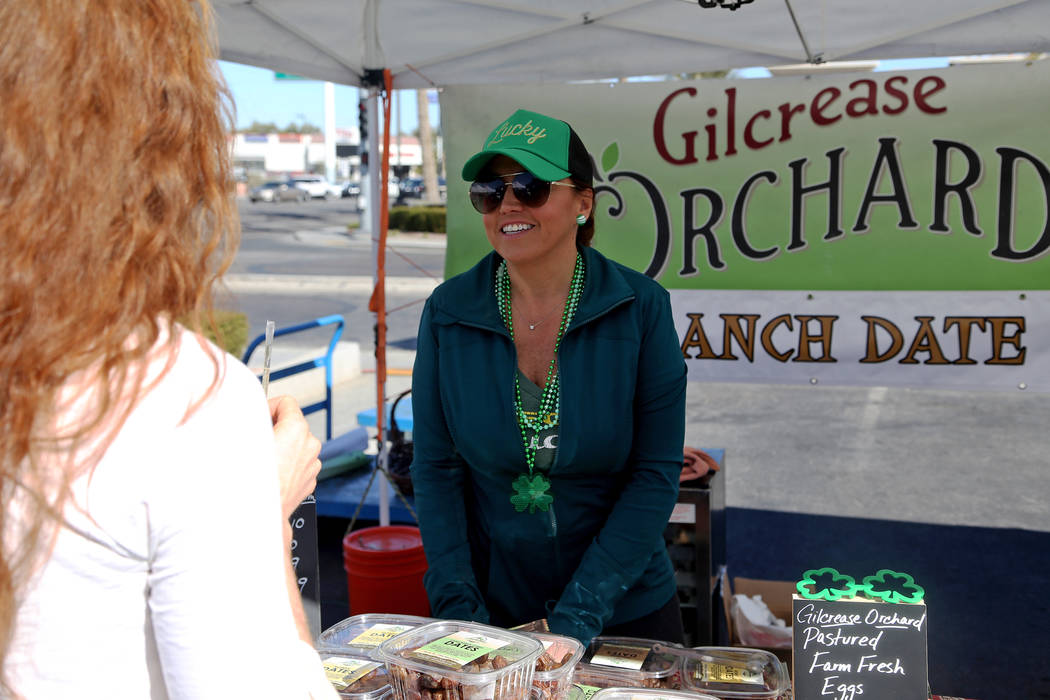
(317, 186)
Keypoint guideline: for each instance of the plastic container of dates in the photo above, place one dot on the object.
(628, 662)
(456, 660)
(734, 672)
(364, 633)
(649, 694)
(355, 676)
(552, 677)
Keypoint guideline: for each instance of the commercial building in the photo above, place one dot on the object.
(258, 157)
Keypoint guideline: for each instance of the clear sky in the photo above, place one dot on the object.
(259, 96)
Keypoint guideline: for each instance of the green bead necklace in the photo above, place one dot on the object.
(530, 490)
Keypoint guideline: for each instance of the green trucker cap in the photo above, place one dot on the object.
(546, 147)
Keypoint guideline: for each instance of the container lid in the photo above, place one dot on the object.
(560, 655)
(460, 651)
(389, 538)
(578, 692)
(574, 692)
(648, 694)
(583, 690)
(354, 676)
(629, 658)
(364, 633)
(734, 672)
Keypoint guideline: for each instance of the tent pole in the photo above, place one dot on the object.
(798, 30)
(379, 83)
(384, 208)
(379, 212)
(377, 303)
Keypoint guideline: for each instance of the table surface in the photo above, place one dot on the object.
(403, 415)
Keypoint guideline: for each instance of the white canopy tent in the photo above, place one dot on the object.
(434, 43)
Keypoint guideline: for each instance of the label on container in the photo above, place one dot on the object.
(343, 672)
(620, 656)
(459, 649)
(377, 634)
(587, 691)
(683, 514)
(710, 672)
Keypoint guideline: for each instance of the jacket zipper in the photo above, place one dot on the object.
(553, 519)
(573, 327)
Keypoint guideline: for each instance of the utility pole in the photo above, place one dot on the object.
(329, 131)
(397, 112)
(426, 142)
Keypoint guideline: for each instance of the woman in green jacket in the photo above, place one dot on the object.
(549, 402)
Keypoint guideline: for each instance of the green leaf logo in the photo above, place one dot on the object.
(609, 156)
(826, 583)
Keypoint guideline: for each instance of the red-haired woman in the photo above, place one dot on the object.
(144, 479)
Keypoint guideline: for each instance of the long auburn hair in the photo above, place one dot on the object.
(116, 217)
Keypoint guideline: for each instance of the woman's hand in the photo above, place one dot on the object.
(696, 464)
(297, 450)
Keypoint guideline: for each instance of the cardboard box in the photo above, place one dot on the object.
(775, 594)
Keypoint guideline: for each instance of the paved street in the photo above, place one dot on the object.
(951, 487)
(290, 242)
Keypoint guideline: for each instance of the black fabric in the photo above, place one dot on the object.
(664, 625)
(399, 459)
(581, 166)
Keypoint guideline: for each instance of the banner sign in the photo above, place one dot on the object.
(883, 229)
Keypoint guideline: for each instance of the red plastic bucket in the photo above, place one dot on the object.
(384, 570)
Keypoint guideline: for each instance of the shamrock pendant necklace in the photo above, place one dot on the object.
(530, 490)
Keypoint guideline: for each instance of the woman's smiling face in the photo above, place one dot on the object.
(525, 235)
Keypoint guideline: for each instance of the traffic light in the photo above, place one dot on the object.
(362, 121)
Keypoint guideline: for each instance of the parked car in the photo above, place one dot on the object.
(351, 189)
(414, 187)
(317, 186)
(277, 191)
(411, 187)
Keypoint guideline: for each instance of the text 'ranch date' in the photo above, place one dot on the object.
(991, 340)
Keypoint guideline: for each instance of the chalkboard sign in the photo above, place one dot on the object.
(306, 561)
(857, 649)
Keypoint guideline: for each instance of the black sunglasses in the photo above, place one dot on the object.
(528, 189)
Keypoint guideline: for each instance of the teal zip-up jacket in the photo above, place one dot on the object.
(597, 556)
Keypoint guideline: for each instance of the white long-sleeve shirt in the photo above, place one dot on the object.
(168, 580)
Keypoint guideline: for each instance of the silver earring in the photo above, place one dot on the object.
(581, 219)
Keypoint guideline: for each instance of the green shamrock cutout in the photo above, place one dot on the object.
(531, 493)
(877, 586)
(839, 586)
